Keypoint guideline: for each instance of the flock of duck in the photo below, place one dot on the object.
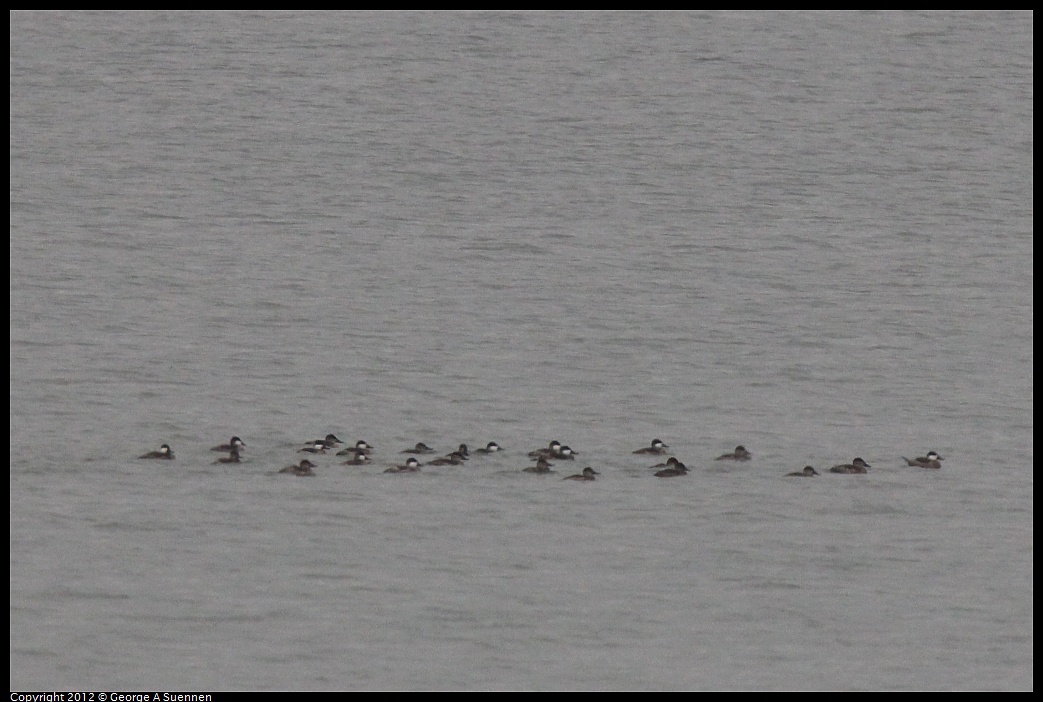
(545, 458)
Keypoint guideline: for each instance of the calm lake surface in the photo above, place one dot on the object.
(810, 234)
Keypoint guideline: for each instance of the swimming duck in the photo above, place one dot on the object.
(357, 459)
(303, 468)
(855, 467)
(420, 447)
(739, 454)
(318, 446)
(931, 460)
(677, 469)
(164, 453)
(453, 459)
(329, 442)
(412, 466)
(552, 450)
(657, 448)
(235, 443)
(491, 447)
(542, 467)
(587, 474)
(359, 447)
(807, 472)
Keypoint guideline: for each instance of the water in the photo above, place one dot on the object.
(807, 233)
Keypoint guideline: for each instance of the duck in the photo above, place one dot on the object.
(164, 453)
(234, 444)
(739, 454)
(553, 449)
(318, 446)
(541, 467)
(305, 467)
(670, 463)
(491, 447)
(931, 460)
(412, 466)
(453, 459)
(806, 472)
(357, 459)
(587, 475)
(420, 447)
(855, 467)
(359, 447)
(331, 441)
(657, 448)
(676, 470)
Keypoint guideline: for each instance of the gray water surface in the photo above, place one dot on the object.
(810, 234)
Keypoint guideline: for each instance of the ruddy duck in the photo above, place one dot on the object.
(566, 454)
(677, 469)
(233, 445)
(463, 451)
(670, 463)
(855, 467)
(318, 446)
(164, 453)
(303, 468)
(421, 447)
(329, 442)
(412, 466)
(453, 459)
(542, 466)
(931, 460)
(359, 447)
(657, 448)
(491, 447)
(806, 473)
(232, 457)
(552, 450)
(587, 474)
(739, 454)
(357, 459)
